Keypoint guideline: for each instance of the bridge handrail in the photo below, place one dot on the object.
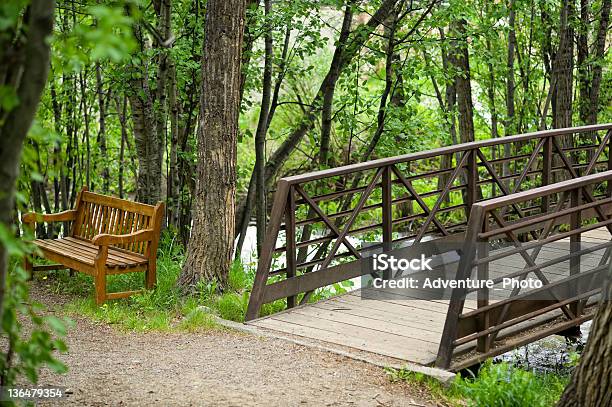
(291, 193)
(575, 204)
(358, 167)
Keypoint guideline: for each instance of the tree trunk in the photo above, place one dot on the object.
(102, 131)
(459, 58)
(447, 107)
(563, 70)
(509, 122)
(27, 73)
(326, 113)
(149, 108)
(173, 188)
(597, 67)
(582, 67)
(592, 379)
(590, 66)
(209, 253)
(260, 134)
(122, 114)
(330, 87)
(242, 223)
(249, 40)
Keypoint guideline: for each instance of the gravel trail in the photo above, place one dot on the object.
(108, 367)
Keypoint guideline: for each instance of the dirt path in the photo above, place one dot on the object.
(215, 368)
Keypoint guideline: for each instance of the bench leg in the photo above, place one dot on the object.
(100, 284)
(100, 278)
(28, 267)
(151, 275)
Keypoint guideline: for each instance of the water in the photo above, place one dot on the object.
(248, 255)
(552, 354)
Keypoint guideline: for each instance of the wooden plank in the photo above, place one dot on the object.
(404, 311)
(68, 262)
(50, 248)
(47, 267)
(126, 270)
(325, 317)
(86, 253)
(390, 325)
(388, 295)
(359, 338)
(122, 294)
(124, 204)
(95, 220)
(415, 319)
(116, 253)
(65, 247)
(83, 230)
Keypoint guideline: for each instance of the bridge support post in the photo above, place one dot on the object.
(290, 239)
(575, 246)
(263, 266)
(546, 170)
(387, 213)
(472, 183)
(609, 188)
(455, 307)
(483, 344)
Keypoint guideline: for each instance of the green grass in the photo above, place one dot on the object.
(496, 385)
(162, 309)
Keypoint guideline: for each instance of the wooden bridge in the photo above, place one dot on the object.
(528, 207)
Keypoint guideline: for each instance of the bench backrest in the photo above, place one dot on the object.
(98, 214)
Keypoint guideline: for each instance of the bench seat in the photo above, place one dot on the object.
(85, 252)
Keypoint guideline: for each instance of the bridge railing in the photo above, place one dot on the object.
(322, 223)
(549, 277)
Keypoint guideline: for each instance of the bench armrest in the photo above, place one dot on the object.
(33, 217)
(105, 239)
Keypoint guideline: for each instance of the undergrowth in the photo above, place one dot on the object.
(164, 309)
(495, 385)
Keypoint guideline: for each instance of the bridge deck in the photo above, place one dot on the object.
(401, 327)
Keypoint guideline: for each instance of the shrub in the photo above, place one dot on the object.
(504, 385)
(23, 355)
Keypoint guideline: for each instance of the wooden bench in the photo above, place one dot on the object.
(106, 236)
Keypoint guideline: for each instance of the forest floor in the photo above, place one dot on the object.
(216, 367)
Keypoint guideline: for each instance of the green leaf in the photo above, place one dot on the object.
(8, 98)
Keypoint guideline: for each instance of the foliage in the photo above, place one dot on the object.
(32, 338)
(162, 309)
(99, 49)
(503, 385)
(495, 385)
